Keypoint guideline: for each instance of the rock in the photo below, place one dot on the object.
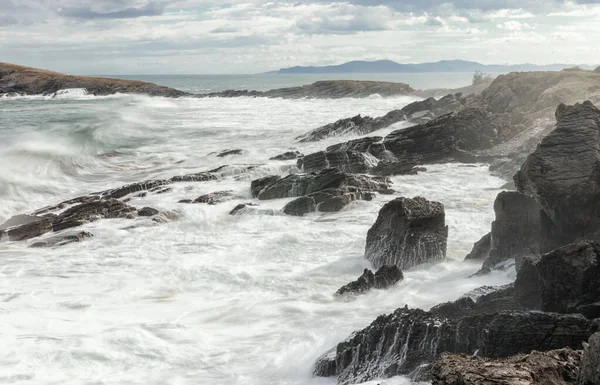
(23, 227)
(348, 161)
(408, 232)
(33, 81)
(242, 208)
(385, 277)
(556, 367)
(230, 152)
(297, 185)
(566, 280)
(288, 155)
(326, 89)
(198, 177)
(400, 343)
(589, 371)
(328, 201)
(62, 240)
(256, 186)
(92, 211)
(481, 249)
(148, 185)
(516, 230)
(147, 212)
(214, 197)
(562, 174)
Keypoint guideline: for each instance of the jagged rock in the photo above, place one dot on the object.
(372, 145)
(385, 277)
(556, 367)
(198, 177)
(589, 371)
(256, 186)
(230, 152)
(417, 112)
(389, 168)
(562, 174)
(242, 208)
(481, 248)
(214, 197)
(408, 232)
(23, 227)
(92, 211)
(147, 212)
(348, 161)
(399, 343)
(148, 185)
(566, 280)
(288, 155)
(516, 229)
(297, 185)
(62, 240)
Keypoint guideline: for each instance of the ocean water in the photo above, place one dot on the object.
(208, 298)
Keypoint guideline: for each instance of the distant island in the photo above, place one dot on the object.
(389, 66)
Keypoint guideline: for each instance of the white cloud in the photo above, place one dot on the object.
(513, 25)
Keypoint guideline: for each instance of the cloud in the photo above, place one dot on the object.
(513, 25)
(150, 9)
(7, 20)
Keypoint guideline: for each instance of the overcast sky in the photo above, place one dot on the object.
(248, 36)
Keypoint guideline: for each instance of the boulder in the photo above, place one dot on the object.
(214, 197)
(256, 186)
(23, 227)
(589, 371)
(92, 211)
(408, 232)
(288, 156)
(562, 175)
(516, 230)
(147, 212)
(555, 367)
(328, 200)
(385, 277)
(481, 249)
(62, 240)
(347, 161)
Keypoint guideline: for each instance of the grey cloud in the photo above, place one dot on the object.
(150, 9)
(225, 30)
(7, 20)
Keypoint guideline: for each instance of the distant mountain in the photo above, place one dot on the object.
(388, 66)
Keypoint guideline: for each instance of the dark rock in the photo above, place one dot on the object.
(230, 152)
(297, 185)
(385, 277)
(256, 186)
(23, 227)
(92, 211)
(566, 280)
(562, 174)
(372, 145)
(481, 249)
(556, 367)
(348, 161)
(399, 343)
(328, 201)
(120, 192)
(288, 155)
(242, 208)
(408, 232)
(185, 201)
(62, 240)
(147, 212)
(198, 177)
(589, 371)
(214, 197)
(516, 230)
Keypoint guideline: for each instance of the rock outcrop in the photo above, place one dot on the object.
(402, 342)
(589, 371)
(383, 278)
(15, 79)
(566, 280)
(288, 156)
(515, 231)
(556, 367)
(562, 174)
(481, 248)
(326, 89)
(408, 232)
(418, 112)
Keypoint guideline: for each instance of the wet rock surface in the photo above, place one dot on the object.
(64, 239)
(214, 197)
(383, 278)
(481, 249)
(589, 372)
(556, 367)
(408, 232)
(288, 156)
(229, 153)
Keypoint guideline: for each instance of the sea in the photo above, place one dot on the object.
(208, 298)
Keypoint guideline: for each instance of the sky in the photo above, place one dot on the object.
(252, 36)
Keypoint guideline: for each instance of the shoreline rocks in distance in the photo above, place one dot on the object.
(383, 278)
(408, 232)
